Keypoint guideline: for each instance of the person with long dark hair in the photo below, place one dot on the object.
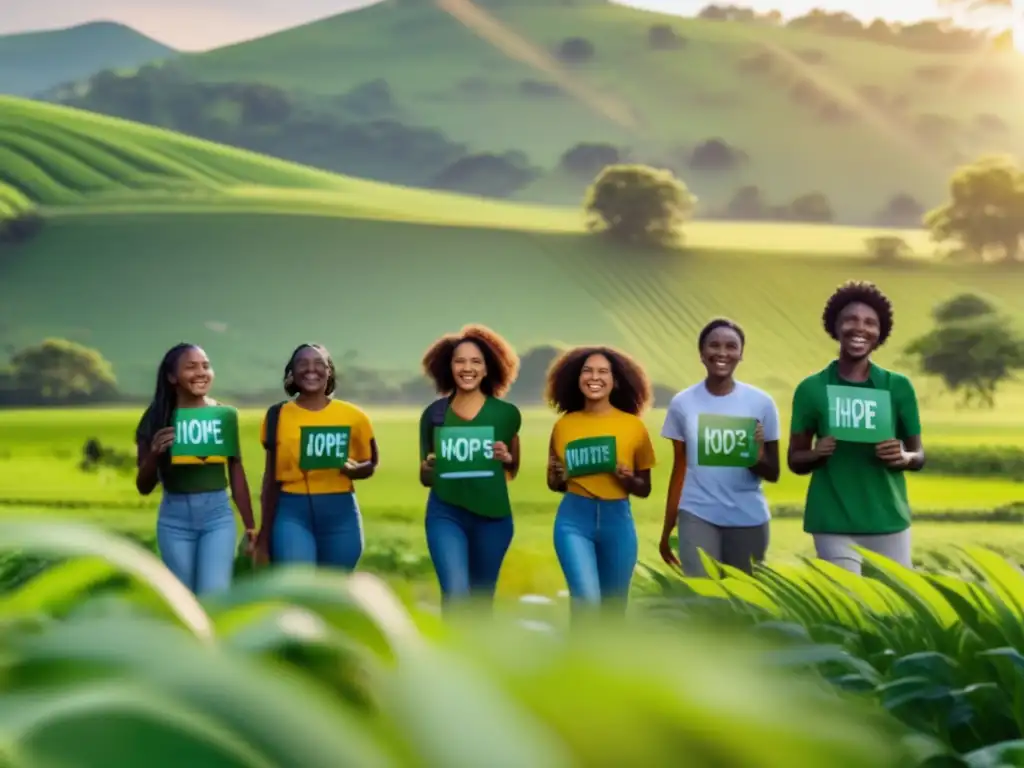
(469, 516)
(318, 447)
(725, 439)
(856, 430)
(600, 454)
(196, 532)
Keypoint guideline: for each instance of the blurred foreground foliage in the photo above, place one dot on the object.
(108, 661)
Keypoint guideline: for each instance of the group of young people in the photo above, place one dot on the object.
(855, 430)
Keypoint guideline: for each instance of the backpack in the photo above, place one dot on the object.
(269, 501)
(436, 412)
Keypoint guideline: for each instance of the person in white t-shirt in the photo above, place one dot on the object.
(715, 492)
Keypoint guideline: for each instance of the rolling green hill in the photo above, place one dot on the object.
(153, 237)
(858, 120)
(33, 62)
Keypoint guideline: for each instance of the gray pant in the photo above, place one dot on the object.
(838, 549)
(738, 547)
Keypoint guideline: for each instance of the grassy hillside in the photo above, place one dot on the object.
(154, 237)
(33, 62)
(873, 120)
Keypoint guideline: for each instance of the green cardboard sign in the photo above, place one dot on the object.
(859, 414)
(726, 441)
(590, 456)
(323, 447)
(464, 452)
(205, 432)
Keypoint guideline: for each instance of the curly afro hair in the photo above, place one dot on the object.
(632, 392)
(862, 292)
(289, 370)
(500, 358)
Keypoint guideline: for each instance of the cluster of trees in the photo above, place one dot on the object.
(929, 35)
(17, 226)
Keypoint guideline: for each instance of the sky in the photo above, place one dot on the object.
(194, 25)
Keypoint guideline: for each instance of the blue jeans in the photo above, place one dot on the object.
(596, 544)
(321, 528)
(196, 535)
(467, 549)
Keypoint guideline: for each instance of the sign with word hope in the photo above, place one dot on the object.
(323, 447)
(590, 456)
(205, 432)
(726, 441)
(859, 415)
(464, 452)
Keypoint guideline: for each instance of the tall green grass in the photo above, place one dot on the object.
(308, 669)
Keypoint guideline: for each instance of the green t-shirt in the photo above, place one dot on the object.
(187, 474)
(854, 492)
(486, 496)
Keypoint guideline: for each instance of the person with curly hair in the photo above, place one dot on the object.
(317, 447)
(725, 438)
(600, 454)
(469, 451)
(856, 430)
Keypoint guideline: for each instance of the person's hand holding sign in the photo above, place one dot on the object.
(825, 446)
(162, 440)
(351, 465)
(502, 453)
(428, 463)
(556, 470)
(892, 453)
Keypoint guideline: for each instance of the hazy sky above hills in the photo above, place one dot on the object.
(202, 24)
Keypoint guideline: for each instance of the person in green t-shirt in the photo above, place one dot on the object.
(195, 524)
(469, 450)
(858, 490)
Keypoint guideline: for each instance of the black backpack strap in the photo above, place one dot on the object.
(272, 490)
(436, 413)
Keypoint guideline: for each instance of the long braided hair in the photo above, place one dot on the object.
(160, 413)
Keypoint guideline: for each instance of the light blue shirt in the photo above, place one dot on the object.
(730, 497)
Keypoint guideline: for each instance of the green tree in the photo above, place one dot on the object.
(639, 204)
(985, 210)
(60, 371)
(972, 349)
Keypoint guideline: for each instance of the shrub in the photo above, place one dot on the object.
(1002, 461)
(19, 227)
(586, 160)
(661, 37)
(902, 210)
(638, 204)
(576, 50)
(716, 155)
(887, 248)
(813, 207)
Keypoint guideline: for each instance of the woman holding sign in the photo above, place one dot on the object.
(469, 450)
(856, 430)
(317, 447)
(725, 438)
(188, 443)
(600, 454)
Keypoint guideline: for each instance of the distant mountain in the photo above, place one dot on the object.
(33, 62)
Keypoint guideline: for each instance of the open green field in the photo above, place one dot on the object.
(39, 451)
(138, 215)
(466, 70)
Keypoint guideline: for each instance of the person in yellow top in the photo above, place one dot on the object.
(317, 447)
(600, 454)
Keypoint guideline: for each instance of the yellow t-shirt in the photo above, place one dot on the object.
(632, 447)
(338, 413)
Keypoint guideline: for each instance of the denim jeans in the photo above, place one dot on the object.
(596, 544)
(467, 549)
(321, 528)
(196, 535)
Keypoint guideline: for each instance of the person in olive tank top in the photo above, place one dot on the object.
(195, 524)
(469, 450)
(858, 489)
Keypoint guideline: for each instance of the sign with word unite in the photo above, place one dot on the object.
(859, 414)
(323, 447)
(464, 452)
(205, 432)
(726, 441)
(590, 456)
